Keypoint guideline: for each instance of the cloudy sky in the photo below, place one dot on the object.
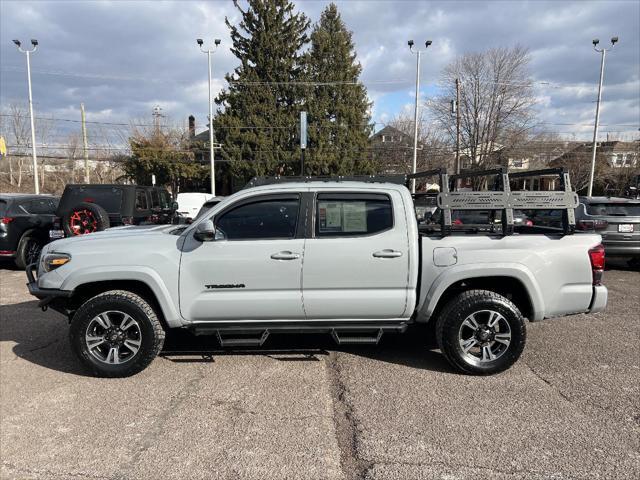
(121, 58)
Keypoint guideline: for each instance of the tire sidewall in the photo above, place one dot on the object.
(90, 310)
(21, 260)
(460, 312)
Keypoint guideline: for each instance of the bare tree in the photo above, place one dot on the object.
(496, 100)
(18, 140)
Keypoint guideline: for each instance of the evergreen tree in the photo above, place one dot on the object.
(339, 120)
(258, 116)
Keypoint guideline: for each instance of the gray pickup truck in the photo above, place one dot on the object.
(342, 257)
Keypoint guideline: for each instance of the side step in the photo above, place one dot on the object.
(359, 337)
(235, 339)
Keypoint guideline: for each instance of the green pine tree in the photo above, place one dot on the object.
(257, 118)
(339, 120)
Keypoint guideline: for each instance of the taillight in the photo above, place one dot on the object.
(127, 220)
(591, 224)
(7, 220)
(528, 223)
(596, 256)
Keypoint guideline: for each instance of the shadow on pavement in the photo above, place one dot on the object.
(41, 338)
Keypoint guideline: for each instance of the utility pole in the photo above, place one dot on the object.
(415, 113)
(28, 53)
(458, 126)
(85, 147)
(209, 51)
(603, 53)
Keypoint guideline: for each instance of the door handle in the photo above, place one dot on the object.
(387, 253)
(285, 255)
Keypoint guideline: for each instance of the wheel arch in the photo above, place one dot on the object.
(144, 283)
(516, 284)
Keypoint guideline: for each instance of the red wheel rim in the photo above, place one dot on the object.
(83, 222)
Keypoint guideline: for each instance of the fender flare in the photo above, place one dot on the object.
(140, 273)
(457, 273)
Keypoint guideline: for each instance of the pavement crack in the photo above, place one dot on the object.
(42, 347)
(50, 473)
(157, 427)
(556, 389)
(353, 466)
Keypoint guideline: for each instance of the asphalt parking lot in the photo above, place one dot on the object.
(300, 408)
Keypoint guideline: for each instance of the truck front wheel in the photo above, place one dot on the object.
(481, 332)
(116, 334)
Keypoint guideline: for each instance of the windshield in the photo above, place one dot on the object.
(614, 209)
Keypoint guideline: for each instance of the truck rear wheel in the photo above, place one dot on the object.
(481, 332)
(116, 334)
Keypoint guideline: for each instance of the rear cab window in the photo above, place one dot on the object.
(352, 214)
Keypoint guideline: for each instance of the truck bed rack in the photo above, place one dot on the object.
(501, 197)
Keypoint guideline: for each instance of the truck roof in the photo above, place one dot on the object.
(338, 185)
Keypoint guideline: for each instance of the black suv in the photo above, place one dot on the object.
(24, 225)
(90, 208)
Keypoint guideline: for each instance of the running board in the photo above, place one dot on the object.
(228, 339)
(351, 337)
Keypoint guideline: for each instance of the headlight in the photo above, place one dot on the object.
(51, 261)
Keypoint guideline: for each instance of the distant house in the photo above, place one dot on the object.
(392, 150)
(618, 154)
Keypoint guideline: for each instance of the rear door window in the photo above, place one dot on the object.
(40, 206)
(352, 214)
(614, 209)
(155, 199)
(165, 199)
(141, 200)
(3, 208)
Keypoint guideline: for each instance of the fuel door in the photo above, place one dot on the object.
(445, 256)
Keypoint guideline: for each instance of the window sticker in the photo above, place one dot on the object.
(354, 216)
(342, 217)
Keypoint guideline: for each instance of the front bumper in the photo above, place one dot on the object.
(44, 294)
(599, 299)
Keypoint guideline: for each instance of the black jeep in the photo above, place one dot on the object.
(25, 221)
(87, 208)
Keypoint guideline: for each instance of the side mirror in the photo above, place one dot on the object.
(205, 231)
(174, 206)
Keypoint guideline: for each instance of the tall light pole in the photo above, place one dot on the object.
(209, 51)
(28, 53)
(603, 54)
(415, 113)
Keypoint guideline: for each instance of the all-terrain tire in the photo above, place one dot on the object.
(152, 333)
(458, 309)
(28, 250)
(96, 216)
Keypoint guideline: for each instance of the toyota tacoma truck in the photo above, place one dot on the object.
(341, 256)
